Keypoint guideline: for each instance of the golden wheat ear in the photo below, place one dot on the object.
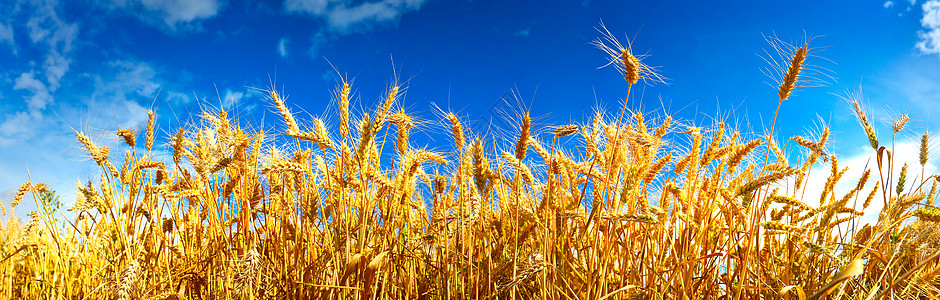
(899, 123)
(855, 98)
(522, 145)
(151, 126)
(128, 135)
(457, 130)
(790, 68)
(793, 73)
(924, 149)
(622, 57)
(566, 130)
(292, 127)
(20, 192)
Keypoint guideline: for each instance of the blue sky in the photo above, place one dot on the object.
(97, 65)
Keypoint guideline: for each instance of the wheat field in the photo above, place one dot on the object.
(624, 205)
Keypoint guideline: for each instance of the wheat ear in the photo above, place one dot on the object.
(793, 73)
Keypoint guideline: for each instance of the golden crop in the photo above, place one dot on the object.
(627, 214)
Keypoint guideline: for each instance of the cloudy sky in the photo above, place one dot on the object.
(98, 65)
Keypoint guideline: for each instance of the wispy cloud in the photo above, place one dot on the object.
(45, 26)
(929, 36)
(343, 17)
(40, 97)
(126, 82)
(14, 127)
(173, 14)
(523, 32)
(319, 41)
(241, 101)
(913, 83)
(54, 36)
(6, 36)
(889, 4)
(282, 47)
(232, 98)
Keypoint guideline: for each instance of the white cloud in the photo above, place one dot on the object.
(131, 86)
(117, 94)
(15, 125)
(240, 101)
(524, 32)
(41, 94)
(317, 42)
(6, 36)
(48, 32)
(55, 67)
(282, 47)
(172, 13)
(910, 84)
(45, 26)
(314, 7)
(889, 4)
(182, 11)
(343, 17)
(177, 98)
(21, 125)
(232, 98)
(130, 79)
(930, 35)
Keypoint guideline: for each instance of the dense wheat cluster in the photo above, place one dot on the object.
(643, 207)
